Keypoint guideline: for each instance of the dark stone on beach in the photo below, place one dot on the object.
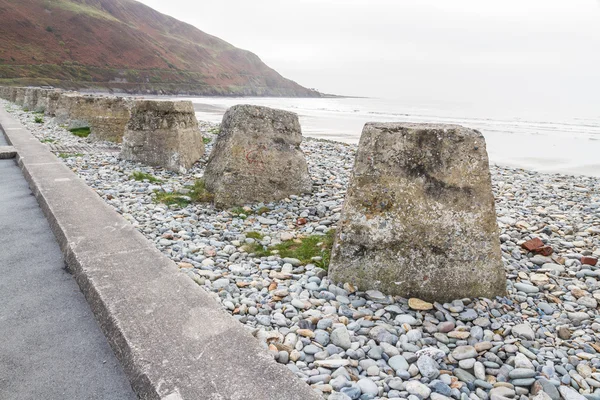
(589, 261)
(544, 251)
(532, 244)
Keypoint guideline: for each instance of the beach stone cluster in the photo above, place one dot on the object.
(540, 340)
(419, 217)
(257, 157)
(163, 133)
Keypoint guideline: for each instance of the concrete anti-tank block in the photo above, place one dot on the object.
(31, 98)
(257, 157)
(12, 94)
(19, 96)
(52, 101)
(70, 109)
(419, 217)
(107, 117)
(164, 134)
(42, 99)
(4, 92)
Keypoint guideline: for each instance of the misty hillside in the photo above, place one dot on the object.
(126, 46)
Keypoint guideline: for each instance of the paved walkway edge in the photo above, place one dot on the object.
(7, 152)
(173, 339)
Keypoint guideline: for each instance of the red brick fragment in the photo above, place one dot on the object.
(532, 244)
(301, 221)
(545, 251)
(589, 260)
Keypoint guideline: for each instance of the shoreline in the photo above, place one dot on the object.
(542, 143)
(338, 339)
(585, 169)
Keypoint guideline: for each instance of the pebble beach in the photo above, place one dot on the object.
(542, 340)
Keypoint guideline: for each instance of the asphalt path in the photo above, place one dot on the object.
(50, 344)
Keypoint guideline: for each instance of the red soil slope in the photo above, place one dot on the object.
(124, 45)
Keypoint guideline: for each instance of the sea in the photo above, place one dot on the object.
(551, 143)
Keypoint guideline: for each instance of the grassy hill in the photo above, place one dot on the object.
(126, 46)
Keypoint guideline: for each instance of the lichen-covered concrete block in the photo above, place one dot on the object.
(111, 123)
(419, 217)
(257, 157)
(31, 98)
(107, 117)
(163, 133)
(12, 94)
(52, 101)
(66, 107)
(43, 100)
(5, 92)
(19, 96)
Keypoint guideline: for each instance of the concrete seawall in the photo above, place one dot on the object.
(174, 340)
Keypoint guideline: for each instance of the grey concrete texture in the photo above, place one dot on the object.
(51, 101)
(173, 339)
(31, 98)
(419, 217)
(164, 134)
(7, 152)
(257, 157)
(106, 116)
(19, 95)
(51, 347)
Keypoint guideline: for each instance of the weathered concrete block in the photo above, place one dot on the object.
(52, 101)
(107, 117)
(419, 217)
(12, 94)
(41, 104)
(257, 157)
(19, 96)
(5, 92)
(31, 98)
(163, 133)
(69, 109)
(111, 123)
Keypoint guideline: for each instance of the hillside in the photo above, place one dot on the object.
(123, 45)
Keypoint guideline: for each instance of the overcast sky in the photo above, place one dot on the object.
(542, 52)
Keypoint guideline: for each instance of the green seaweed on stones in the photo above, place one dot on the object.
(172, 198)
(262, 210)
(215, 130)
(69, 155)
(254, 235)
(196, 193)
(141, 176)
(199, 194)
(304, 249)
(80, 132)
